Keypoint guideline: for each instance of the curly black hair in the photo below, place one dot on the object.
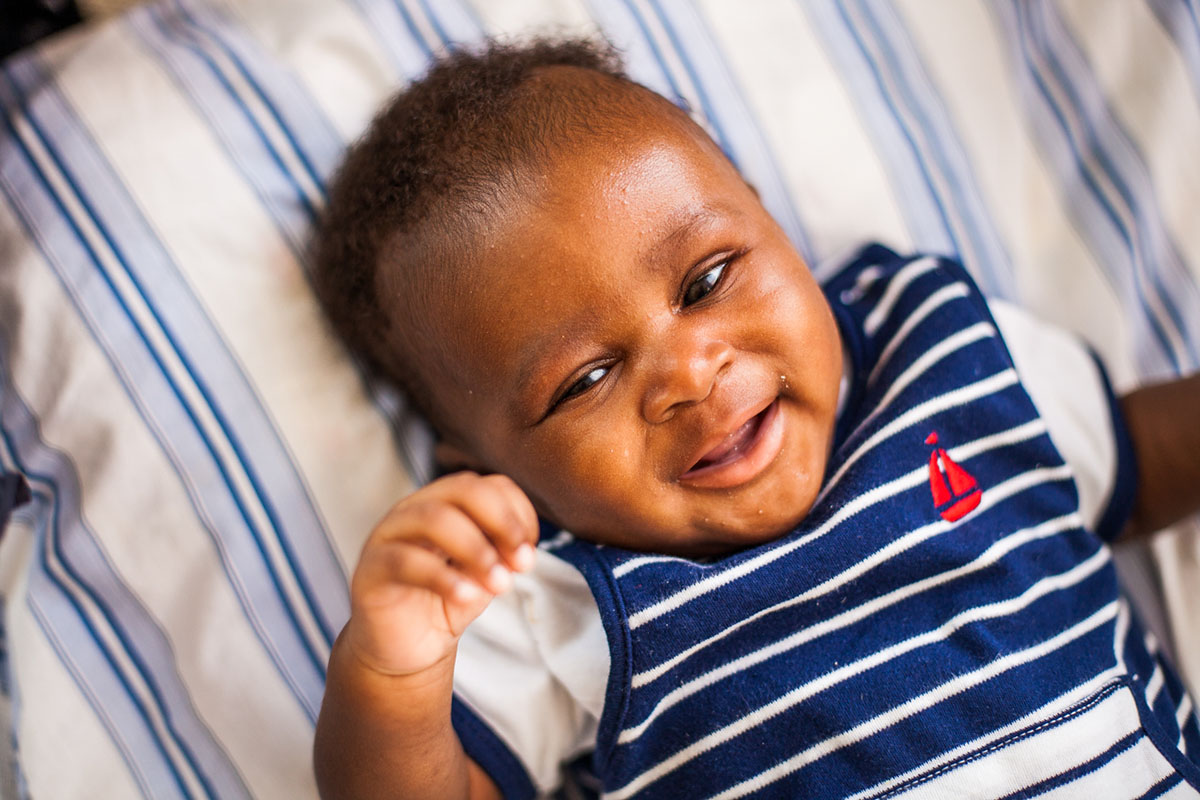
(443, 154)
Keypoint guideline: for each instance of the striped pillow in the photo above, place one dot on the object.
(205, 462)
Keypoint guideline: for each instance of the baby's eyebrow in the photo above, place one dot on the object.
(530, 366)
(688, 222)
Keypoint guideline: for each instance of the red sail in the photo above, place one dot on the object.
(962, 489)
(961, 481)
(937, 484)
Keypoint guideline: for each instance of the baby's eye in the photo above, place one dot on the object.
(590, 379)
(703, 285)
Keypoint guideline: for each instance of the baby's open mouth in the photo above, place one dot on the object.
(734, 444)
(742, 454)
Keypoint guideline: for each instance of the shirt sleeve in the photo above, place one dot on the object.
(1072, 392)
(530, 679)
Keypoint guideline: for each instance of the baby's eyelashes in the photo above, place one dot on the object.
(589, 379)
(582, 385)
(703, 286)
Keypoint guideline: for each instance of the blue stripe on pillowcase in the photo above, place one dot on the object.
(440, 27)
(291, 200)
(249, 102)
(884, 40)
(161, 383)
(641, 60)
(1084, 199)
(405, 45)
(924, 213)
(1103, 181)
(1181, 20)
(270, 101)
(691, 39)
(668, 47)
(455, 21)
(289, 106)
(115, 651)
(1126, 168)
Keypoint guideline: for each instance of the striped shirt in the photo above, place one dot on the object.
(941, 622)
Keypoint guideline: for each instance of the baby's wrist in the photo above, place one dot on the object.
(356, 659)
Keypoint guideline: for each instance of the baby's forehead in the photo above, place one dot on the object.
(593, 123)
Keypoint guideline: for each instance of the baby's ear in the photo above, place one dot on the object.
(452, 458)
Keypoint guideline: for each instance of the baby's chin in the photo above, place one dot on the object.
(708, 536)
(742, 534)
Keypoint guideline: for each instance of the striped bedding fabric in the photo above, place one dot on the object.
(205, 462)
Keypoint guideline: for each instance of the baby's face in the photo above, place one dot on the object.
(642, 350)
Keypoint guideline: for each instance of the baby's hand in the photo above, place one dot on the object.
(431, 567)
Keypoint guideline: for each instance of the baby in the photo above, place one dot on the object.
(821, 540)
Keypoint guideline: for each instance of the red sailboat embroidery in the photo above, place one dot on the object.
(962, 495)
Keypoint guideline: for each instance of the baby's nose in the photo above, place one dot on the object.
(684, 373)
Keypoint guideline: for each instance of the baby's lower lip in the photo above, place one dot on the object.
(747, 461)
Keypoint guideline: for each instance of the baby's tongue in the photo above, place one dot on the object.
(734, 443)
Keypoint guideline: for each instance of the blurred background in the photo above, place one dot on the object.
(23, 22)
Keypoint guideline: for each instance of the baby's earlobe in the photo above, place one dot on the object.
(452, 458)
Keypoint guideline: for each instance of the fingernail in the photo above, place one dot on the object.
(467, 591)
(498, 579)
(523, 558)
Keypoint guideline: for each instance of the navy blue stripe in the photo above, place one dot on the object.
(1074, 774)
(204, 390)
(1191, 733)
(1012, 738)
(1166, 739)
(1163, 786)
(489, 752)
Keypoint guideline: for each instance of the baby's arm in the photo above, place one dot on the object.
(427, 570)
(1164, 424)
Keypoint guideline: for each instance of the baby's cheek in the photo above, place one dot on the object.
(595, 485)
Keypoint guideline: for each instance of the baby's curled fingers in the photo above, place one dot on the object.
(408, 564)
(504, 513)
(447, 532)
